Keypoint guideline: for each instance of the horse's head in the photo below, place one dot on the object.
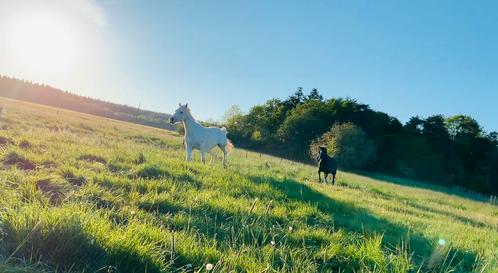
(322, 152)
(180, 114)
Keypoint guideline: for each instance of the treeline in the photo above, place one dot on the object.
(47, 95)
(444, 150)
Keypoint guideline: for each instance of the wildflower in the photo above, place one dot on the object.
(209, 266)
(132, 212)
(291, 228)
(272, 242)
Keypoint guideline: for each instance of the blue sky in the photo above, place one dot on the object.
(404, 58)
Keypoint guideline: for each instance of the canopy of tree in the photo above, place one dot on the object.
(44, 94)
(450, 151)
(348, 144)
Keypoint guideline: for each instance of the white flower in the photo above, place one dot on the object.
(272, 242)
(209, 266)
(132, 212)
(291, 228)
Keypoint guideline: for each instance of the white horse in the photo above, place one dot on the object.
(198, 137)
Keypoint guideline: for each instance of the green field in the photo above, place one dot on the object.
(79, 193)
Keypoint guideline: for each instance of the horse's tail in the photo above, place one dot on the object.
(229, 143)
(229, 146)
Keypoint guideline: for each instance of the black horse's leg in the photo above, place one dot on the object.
(333, 179)
(319, 177)
(326, 175)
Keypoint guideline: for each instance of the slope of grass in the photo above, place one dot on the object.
(86, 194)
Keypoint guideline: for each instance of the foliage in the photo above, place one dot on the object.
(348, 144)
(303, 123)
(444, 150)
(233, 112)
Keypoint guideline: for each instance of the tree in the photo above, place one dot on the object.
(415, 125)
(236, 123)
(434, 128)
(493, 138)
(314, 95)
(348, 143)
(435, 149)
(295, 99)
(461, 125)
(231, 113)
(303, 124)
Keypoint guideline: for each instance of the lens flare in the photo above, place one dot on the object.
(42, 41)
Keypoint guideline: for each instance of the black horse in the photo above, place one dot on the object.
(326, 164)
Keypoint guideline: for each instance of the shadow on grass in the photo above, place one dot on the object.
(252, 229)
(354, 219)
(395, 180)
(68, 248)
(235, 228)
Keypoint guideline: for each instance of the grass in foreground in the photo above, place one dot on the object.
(85, 194)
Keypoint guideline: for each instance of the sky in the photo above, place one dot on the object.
(404, 58)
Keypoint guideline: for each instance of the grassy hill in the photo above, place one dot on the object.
(43, 94)
(80, 193)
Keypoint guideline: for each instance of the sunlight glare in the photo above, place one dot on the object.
(42, 42)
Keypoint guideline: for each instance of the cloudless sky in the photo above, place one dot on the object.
(404, 58)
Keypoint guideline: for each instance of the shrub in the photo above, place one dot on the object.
(348, 143)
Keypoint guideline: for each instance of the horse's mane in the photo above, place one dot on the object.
(189, 113)
(323, 155)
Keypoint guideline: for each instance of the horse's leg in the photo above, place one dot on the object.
(211, 153)
(326, 175)
(203, 156)
(213, 156)
(225, 153)
(333, 179)
(319, 177)
(189, 153)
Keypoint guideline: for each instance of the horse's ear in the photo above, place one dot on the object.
(180, 104)
(186, 105)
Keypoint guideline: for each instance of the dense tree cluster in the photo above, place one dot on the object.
(44, 94)
(445, 150)
(348, 144)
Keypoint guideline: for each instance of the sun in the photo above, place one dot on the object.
(42, 42)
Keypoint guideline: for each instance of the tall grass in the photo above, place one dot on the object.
(108, 196)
